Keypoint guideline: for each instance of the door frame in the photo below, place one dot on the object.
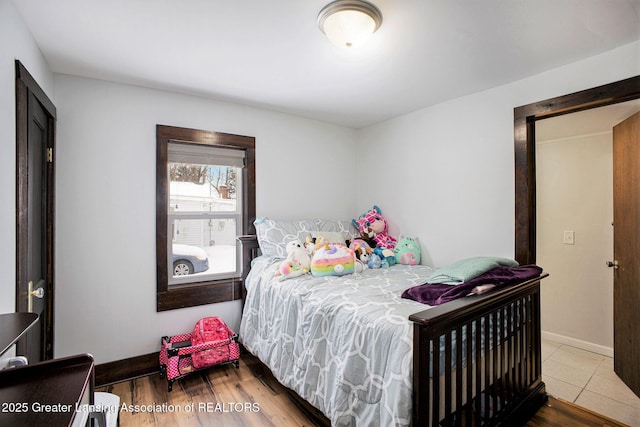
(25, 86)
(525, 118)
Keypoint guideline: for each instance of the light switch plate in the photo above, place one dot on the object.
(569, 237)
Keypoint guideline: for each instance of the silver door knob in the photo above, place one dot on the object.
(613, 264)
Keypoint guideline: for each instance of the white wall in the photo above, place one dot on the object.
(446, 174)
(16, 42)
(575, 192)
(105, 260)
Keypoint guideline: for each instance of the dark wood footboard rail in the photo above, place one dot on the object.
(477, 360)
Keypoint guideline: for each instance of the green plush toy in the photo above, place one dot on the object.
(407, 251)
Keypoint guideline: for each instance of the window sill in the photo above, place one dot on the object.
(201, 293)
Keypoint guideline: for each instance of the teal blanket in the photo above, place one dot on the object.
(467, 269)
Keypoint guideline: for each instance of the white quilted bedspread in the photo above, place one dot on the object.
(342, 343)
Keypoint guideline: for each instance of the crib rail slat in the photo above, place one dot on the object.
(509, 351)
(478, 364)
(459, 370)
(469, 370)
(436, 396)
(447, 373)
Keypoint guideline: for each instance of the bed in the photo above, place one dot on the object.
(362, 355)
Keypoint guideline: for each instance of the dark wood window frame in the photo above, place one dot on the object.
(525, 118)
(213, 291)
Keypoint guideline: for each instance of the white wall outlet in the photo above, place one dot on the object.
(569, 237)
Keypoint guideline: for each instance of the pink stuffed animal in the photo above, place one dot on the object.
(372, 225)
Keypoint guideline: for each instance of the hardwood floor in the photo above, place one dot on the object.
(222, 396)
(250, 396)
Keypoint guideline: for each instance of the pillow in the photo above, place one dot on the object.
(329, 236)
(274, 234)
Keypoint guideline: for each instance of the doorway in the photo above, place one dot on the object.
(574, 214)
(35, 148)
(525, 118)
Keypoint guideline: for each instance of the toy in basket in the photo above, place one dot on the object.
(211, 343)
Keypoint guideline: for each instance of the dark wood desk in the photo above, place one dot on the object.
(51, 393)
(13, 326)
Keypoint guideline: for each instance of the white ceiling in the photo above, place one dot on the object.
(270, 53)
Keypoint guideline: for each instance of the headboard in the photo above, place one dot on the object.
(250, 248)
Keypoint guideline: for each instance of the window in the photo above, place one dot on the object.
(204, 212)
(205, 199)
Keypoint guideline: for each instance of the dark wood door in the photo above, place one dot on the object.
(626, 251)
(34, 222)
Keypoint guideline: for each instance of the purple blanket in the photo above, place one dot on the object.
(438, 293)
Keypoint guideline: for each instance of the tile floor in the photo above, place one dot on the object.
(588, 380)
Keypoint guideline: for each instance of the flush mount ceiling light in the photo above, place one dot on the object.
(349, 23)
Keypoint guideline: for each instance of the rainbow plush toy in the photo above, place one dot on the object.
(372, 225)
(332, 260)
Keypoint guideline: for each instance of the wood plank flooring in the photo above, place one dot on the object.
(221, 396)
(250, 396)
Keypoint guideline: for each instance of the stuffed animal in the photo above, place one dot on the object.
(297, 253)
(376, 262)
(332, 260)
(407, 251)
(372, 225)
(289, 269)
(297, 263)
(312, 244)
(386, 255)
(362, 251)
(367, 235)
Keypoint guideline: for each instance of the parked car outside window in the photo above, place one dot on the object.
(189, 260)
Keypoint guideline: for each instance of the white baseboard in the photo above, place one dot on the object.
(574, 342)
